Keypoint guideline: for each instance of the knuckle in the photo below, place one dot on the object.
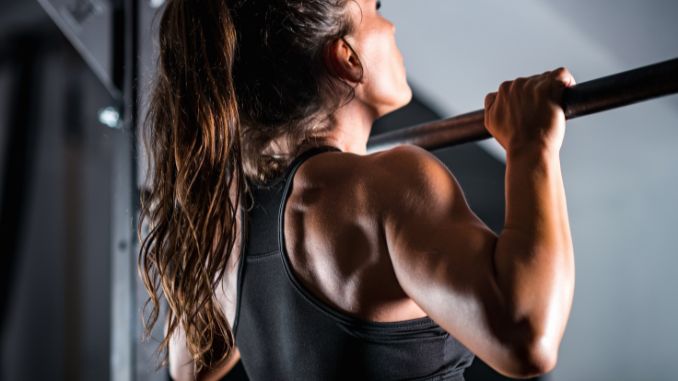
(561, 72)
(505, 86)
(519, 83)
(531, 81)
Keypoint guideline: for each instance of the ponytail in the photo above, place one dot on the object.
(196, 180)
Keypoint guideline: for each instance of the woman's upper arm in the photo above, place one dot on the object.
(442, 254)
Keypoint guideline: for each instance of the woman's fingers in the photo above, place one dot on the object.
(564, 76)
(560, 79)
(489, 100)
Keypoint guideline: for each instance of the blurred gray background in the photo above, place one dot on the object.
(69, 302)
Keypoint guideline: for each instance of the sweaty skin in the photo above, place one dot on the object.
(389, 236)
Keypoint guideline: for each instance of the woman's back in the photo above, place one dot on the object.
(329, 305)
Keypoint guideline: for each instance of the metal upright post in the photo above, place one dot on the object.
(124, 314)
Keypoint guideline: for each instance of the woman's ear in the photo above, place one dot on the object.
(342, 61)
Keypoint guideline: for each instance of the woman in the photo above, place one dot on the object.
(275, 238)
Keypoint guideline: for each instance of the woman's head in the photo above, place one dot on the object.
(241, 86)
(291, 54)
(297, 61)
(383, 87)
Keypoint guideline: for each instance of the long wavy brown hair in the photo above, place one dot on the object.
(233, 79)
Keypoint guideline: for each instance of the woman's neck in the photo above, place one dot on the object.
(350, 129)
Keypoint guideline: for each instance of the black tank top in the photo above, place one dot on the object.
(284, 332)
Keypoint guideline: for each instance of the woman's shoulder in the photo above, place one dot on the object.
(403, 159)
(405, 162)
(383, 177)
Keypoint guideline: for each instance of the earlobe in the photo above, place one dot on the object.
(342, 61)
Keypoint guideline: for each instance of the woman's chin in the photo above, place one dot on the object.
(404, 98)
(392, 100)
(407, 96)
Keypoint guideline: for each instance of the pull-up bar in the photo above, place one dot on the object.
(585, 98)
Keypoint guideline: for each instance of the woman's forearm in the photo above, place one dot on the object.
(534, 258)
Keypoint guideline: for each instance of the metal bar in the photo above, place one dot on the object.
(19, 153)
(124, 314)
(73, 196)
(586, 98)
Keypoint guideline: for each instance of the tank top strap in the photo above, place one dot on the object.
(286, 180)
(300, 159)
(286, 183)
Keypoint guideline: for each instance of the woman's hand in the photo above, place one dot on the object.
(525, 113)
